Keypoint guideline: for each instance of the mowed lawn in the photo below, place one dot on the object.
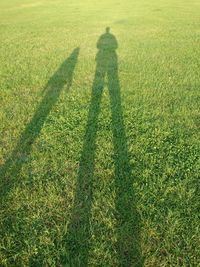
(99, 148)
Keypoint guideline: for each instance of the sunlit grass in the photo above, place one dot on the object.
(45, 126)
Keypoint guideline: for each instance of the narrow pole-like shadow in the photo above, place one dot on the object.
(78, 235)
(10, 171)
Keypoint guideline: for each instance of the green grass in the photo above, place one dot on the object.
(99, 159)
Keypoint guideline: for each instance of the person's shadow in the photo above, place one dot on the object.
(78, 235)
(10, 170)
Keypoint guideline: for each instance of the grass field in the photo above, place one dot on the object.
(99, 134)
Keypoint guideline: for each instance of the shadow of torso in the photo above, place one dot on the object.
(106, 57)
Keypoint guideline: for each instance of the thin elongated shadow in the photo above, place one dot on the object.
(78, 236)
(10, 171)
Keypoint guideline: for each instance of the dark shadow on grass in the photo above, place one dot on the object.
(78, 236)
(10, 171)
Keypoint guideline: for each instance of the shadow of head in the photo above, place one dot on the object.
(64, 74)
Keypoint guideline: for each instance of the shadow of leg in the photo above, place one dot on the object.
(128, 243)
(78, 236)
